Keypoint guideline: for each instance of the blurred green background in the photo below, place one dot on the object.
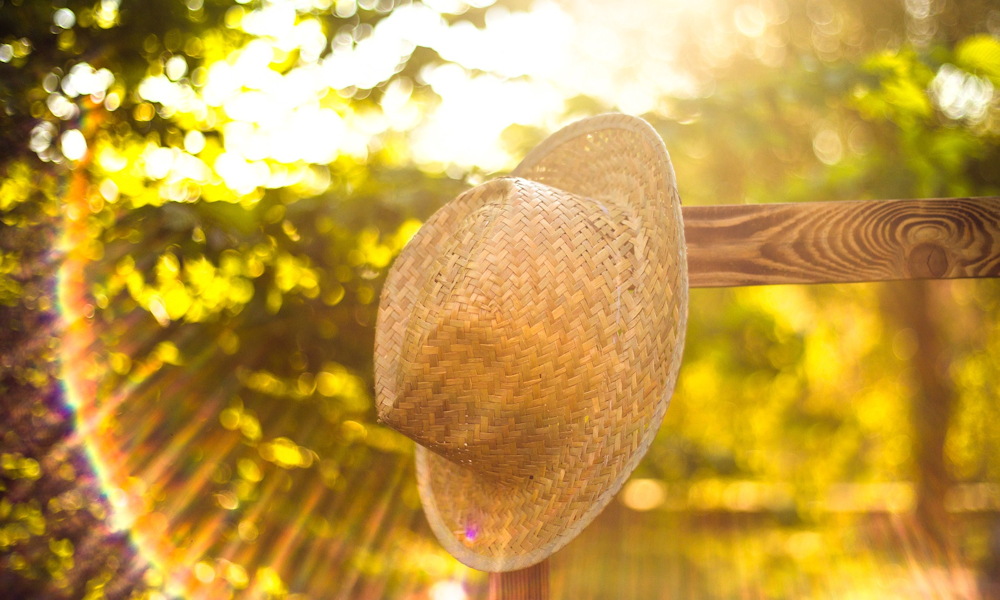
(200, 200)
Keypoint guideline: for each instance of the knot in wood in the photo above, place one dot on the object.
(928, 260)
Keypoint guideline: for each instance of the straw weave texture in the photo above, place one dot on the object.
(529, 338)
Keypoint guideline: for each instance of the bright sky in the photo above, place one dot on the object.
(519, 69)
(526, 64)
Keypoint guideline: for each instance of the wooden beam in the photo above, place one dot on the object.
(526, 584)
(842, 242)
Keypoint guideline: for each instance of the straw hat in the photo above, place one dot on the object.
(529, 337)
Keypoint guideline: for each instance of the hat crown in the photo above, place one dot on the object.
(517, 334)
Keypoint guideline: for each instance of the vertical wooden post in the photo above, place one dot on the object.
(526, 584)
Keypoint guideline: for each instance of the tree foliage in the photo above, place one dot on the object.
(219, 272)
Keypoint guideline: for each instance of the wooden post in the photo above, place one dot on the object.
(526, 584)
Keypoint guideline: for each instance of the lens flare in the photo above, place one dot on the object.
(225, 480)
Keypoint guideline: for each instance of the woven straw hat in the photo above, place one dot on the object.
(529, 338)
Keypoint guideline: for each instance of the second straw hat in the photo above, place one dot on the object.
(529, 338)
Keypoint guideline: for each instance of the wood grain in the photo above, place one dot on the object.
(525, 584)
(842, 242)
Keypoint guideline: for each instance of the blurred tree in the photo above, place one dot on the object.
(840, 100)
(217, 295)
(219, 269)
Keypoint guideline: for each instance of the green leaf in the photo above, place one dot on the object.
(980, 54)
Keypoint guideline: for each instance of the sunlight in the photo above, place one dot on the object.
(643, 494)
(474, 111)
(230, 203)
(83, 80)
(961, 95)
(73, 144)
(516, 70)
(447, 590)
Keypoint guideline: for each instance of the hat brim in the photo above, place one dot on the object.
(497, 526)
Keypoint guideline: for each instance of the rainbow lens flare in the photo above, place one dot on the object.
(229, 479)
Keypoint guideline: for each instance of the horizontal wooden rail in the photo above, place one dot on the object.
(842, 242)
